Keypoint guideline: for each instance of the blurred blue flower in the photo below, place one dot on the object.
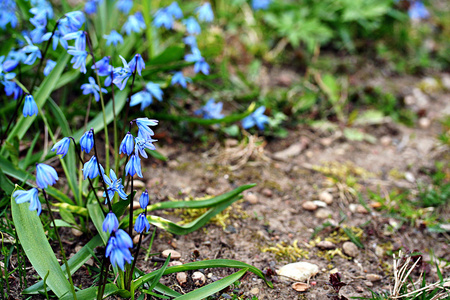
(90, 169)
(32, 50)
(205, 13)
(113, 38)
(143, 125)
(256, 118)
(79, 59)
(4, 67)
(87, 141)
(178, 78)
(45, 175)
(91, 6)
(103, 66)
(110, 223)
(142, 144)
(92, 88)
(62, 146)
(418, 11)
(137, 63)
(191, 41)
(8, 13)
(49, 66)
(260, 4)
(72, 22)
(144, 200)
(163, 18)
(13, 59)
(79, 37)
(42, 6)
(57, 37)
(29, 107)
(175, 10)
(121, 74)
(192, 26)
(134, 166)
(145, 97)
(31, 196)
(40, 22)
(200, 64)
(114, 185)
(141, 223)
(134, 23)
(118, 249)
(124, 6)
(12, 88)
(211, 110)
(127, 144)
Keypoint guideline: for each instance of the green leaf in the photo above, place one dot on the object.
(75, 209)
(5, 184)
(214, 287)
(156, 155)
(166, 290)
(213, 263)
(75, 262)
(353, 237)
(35, 244)
(97, 217)
(67, 216)
(91, 293)
(159, 274)
(169, 55)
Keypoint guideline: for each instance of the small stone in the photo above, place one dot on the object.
(136, 205)
(299, 271)
(136, 239)
(291, 151)
(90, 262)
(373, 277)
(78, 248)
(361, 209)
(251, 198)
(326, 197)
(350, 249)
(309, 205)
(181, 278)
(76, 232)
(368, 283)
(379, 251)
(174, 263)
(410, 177)
(138, 184)
(267, 192)
(385, 140)
(209, 275)
(211, 191)
(327, 141)
(300, 286)
(327, 245)
(446, 81)
(359, 289)
(231, 143)
(254, 291)
(173, 254)
(199, 278)
(334, 271)
(173, 164)
(323, 213)
(424, 123)
(320, 203)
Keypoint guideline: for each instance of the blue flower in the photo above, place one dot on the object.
(142, 144)
(90, 169)
(8, 13)
(73, 21)
(31, 196)
(103, 66)
(79, 59)
(144, 129)
(144, 200)
(110, 223)
(113, 38)
(145, 97)
(137, 63)
(191, 41)
(175, 10)
(127, 144)
(29, 107)
(87, 141)
(33, 51)
(118, 249)
(192, 26)
(178, 78)
(260, 4)
(62, 146)
(211, 110)
(134, 166)
(200, 64)
(4, 67)
(141, 223)
(79, 37)
(124, 6)
(57, 37)
(49, 66)
(134, 23)
(114, 185)
(13, 59)
(122, 74)
(163, 18)
(45, 175)
(92, 88)
(91, 6)
(256, 118)
(42, 7)
(418, 11)
(205, 13)
(12, 88)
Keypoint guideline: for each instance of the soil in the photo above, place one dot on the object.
(272, 212)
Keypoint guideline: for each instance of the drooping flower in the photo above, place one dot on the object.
(205, 13)
(29, 107)
(103, 67)
(190, 41)
(49, 66)
(178, 78)
(175, 10)
(8, 13)
(114, 185)
(92, 88)
(141, 223)
(91, 6)
(31, 196)
(45, 175)
(145, 97)
(260, 4)
(57, 37)
(13, 59)
(118, 249)
(124, 6)
(418, 11)
(211, 110)
(12, 88)
(200, 64)
(127, 144)
(144, 129)
(87, 141)
(134, 166)
(79, 59)
(110, 223)
(32, 50)
(62, 146)
(113, 38)
(121, 74)
(73, 21)
(79, 37)
(137, 63)
(144, 200)
(192, 26)
(142, 144)
(90, 169)
(163, 18)
(256, 118)
(134, 23)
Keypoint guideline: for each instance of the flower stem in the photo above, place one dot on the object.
(101, 175)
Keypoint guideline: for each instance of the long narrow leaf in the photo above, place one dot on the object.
(97, 217)
(91, 293)
(159, 274)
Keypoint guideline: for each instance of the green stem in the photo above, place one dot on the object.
(116, 134)
(147, 10)
(60, 245)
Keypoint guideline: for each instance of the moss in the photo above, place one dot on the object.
(340, 236)
(284, 251)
